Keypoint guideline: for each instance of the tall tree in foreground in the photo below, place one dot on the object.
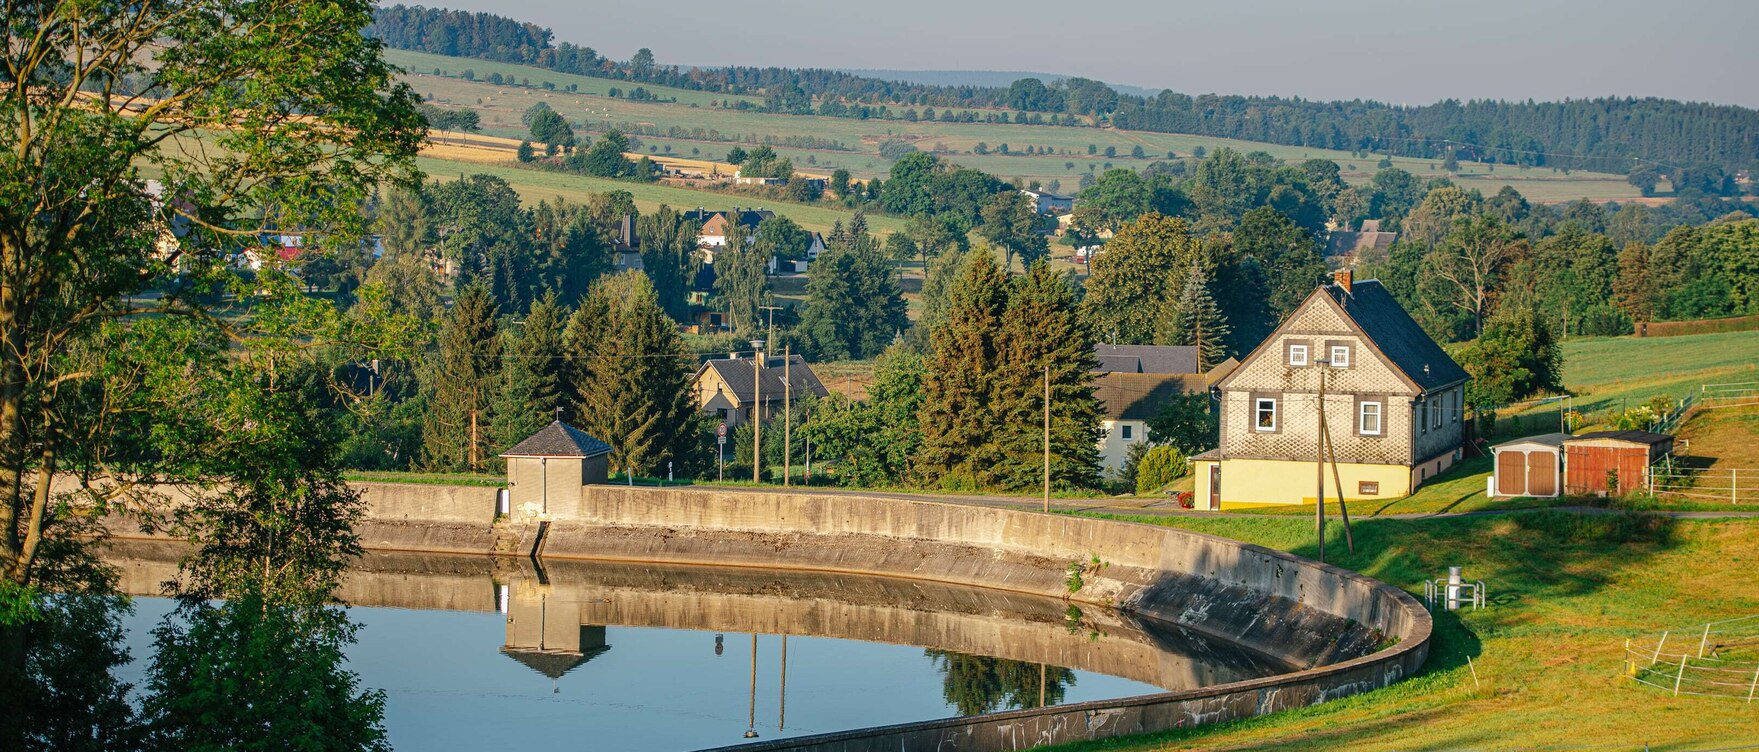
(1041, 337)
(461, 384)
(741, 285)
(957, 410)
(95, 93)
(630, 377)
(531, 380)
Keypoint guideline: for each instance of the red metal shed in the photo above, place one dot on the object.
(1612, 462)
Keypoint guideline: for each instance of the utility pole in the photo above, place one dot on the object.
(787, 415)
(1319, 461)
(772, 316)
(473, 440)
(1047, 438)
(1331, 450)
(757, 420)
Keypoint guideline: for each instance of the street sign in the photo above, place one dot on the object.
(721, 434)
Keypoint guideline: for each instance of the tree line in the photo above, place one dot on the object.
(1700, 143)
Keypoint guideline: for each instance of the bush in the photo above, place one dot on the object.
(1159, 467)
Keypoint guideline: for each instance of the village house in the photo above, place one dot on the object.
(1393, 404)
(1134, 383)
(714, 225)
(728, 388)
(626, 246)
(1045, 202)
(1351, 244)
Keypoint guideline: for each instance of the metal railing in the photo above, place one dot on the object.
(1718, 659)
(1735, 485)
(1733, 394)
(1466, 593)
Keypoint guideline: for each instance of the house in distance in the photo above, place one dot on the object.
(1393, 404)
(1134, 383)
(731, 388)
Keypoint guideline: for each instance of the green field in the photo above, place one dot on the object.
(502, 106)
(1566, 591)
(535, 185)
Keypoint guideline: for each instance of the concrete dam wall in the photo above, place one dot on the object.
(1348, 633)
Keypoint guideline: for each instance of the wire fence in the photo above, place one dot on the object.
(1717, 659)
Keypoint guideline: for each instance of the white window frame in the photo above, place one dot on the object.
(1337, 362)
(1297, 350)
(1258, 404)
(1362, 414)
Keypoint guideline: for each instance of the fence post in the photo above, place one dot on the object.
(1704, 641)
(1654, 659)
(1734, 485)
(1753, 686)
(1681, 677)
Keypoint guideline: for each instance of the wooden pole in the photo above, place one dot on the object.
(757, 422)
(787, 414)
(473, 440)
(1331, 451)
(1047, 438)
(1319, 466)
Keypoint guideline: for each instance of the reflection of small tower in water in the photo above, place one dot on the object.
(548, 637)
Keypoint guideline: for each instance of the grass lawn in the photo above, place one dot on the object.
(1566, 592)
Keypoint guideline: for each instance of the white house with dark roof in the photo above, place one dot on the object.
(550, 467)
(1134, 383)
(1394, 404)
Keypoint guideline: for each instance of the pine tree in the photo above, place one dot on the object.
(1198, 321)
(853, 308)
(668, 255)
(629, 378)
(957, 419)
(531, 382)
(741, 285)
(460, 384)
(1041, 330)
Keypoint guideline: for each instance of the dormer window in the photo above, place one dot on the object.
(1298, 356)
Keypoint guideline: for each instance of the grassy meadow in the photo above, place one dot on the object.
(501, 107)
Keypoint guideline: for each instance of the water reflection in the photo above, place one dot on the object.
(654, 657)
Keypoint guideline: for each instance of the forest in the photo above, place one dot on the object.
(1700, 145)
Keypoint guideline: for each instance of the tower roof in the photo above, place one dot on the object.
(559, 439)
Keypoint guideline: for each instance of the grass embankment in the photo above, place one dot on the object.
(1566, 591)
(856, 142)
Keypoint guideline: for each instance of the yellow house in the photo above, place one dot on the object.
(1393, 405)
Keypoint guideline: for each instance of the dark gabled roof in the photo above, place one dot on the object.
(552, 663)
(1138, 396)
(1397, 335)
(1635, 437)
(737, 374)
(558, 439)
(1145, 358)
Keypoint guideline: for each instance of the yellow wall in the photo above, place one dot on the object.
(1246, 481)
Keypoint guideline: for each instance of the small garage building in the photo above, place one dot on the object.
(1533, 466)
(1612, 462)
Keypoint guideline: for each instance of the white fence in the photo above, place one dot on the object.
(1734, 485)
(1718, 659)
(1736, 394)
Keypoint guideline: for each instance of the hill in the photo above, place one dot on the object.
(984, 78)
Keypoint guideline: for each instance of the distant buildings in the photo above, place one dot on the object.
(728, 388)
(1134, 383)
(1352, 244)
(1393, 407)
(1046, 202)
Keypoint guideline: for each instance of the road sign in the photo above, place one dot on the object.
(721, 433)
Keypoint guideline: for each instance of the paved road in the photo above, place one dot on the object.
(1165, 508)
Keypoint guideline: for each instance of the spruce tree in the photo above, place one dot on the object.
(957, 418)
(1040, 331)
(461, 383)
(742, 287)
(668, 256)
(853, 308)
(531, 381)
(629, 378)
(1199, 322)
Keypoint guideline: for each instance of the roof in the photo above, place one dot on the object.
(552, 663)
(559, 439)
(1139, 396)
(737, 374)
(1544, 439)
(1145, 358)
(1397, 335)
(750, 218)
(627, 236)
(1635, 437)
(1344, 243)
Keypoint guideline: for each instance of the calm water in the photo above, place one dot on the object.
(476, 654)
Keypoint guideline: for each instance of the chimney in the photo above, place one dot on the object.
(757, 352)
(1343, 278)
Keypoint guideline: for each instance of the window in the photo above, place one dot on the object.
(1368, 419)
(1265, 414)
(1368, 488)
(1297, 355)
(1126, 428)
(1458, 408)
(1440, 408)
(1423, 419)
(1340, 356)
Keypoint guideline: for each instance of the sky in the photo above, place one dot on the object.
(1398, 51)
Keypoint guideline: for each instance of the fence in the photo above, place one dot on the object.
(1700, 326)
(1737, 394)
(1733, 484)
(1718, 659)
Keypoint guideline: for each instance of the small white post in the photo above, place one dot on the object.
(1734, 485)
(1680, 677)
(1705, 640)
(1753, 686)
(1657, 657)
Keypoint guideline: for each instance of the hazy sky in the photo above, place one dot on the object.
(1401, 51)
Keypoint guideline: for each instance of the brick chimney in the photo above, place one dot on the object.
(1343, 278)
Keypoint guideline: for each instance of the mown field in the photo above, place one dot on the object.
(858, 141)
(1566, 591)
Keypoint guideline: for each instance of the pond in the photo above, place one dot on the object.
(478, 653)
